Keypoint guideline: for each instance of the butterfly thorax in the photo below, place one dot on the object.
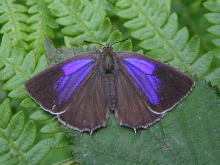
(108, 59)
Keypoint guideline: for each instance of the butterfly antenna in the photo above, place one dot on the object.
(93, 42)
(120, 41)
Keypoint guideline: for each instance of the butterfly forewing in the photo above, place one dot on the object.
(161, 86)
(88, 109)
(53, 87)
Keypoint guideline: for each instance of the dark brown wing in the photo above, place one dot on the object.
(131, 110)
(53, 87)
(88, 110)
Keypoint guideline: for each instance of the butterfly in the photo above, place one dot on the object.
(84, 88)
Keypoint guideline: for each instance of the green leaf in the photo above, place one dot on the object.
(18, 92)
(39, 151)
(15, 126)
(214, 18)
(27, 137)
(213, 5)
(186, 135)
(52, 127)
(200, 67)
(4, 147)
(60, 140)
(158, 32)
(40, 115)
(28, 103)
(28, 64)
(42, 25)
(17, 139)
(83, 20)
(13, 19)
(6, 113)
(41, 65)
(60, 54)
(17, 67)
(79, 19)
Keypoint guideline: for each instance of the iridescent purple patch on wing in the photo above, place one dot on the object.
(74, 73)
(155, 82)
(142, 73)
(78, 81)
(60, 83)
(73, 66)
(143, 65)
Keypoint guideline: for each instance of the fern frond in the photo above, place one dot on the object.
(84, 20)
(13, 18)
(42, 25)
(166, 2)
(158, 32)
(80, 20)
(109, 4)
(16, 69)
(214, 18)
(17, 139)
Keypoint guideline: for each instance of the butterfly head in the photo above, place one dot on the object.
(107, 48)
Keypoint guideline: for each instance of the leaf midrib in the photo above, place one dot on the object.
(16, 68)
(13, 146)
(175, 53)
(81, 21)
(13, 20)
(166, 148)
(42, 23)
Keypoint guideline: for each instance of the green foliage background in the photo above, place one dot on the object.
(183, 33)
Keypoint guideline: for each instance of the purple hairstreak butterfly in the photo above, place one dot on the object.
(84, 88)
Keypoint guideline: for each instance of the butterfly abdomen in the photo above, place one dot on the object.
(110, 90)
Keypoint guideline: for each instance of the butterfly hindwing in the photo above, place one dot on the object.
(53, 87)
(160, 86)
(131, 109)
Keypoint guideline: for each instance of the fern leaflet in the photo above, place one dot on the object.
(17, 139)
(85, 20)
(214, 17)
(159, 34)
(13, 19)
(16, 69)
(42, 24)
